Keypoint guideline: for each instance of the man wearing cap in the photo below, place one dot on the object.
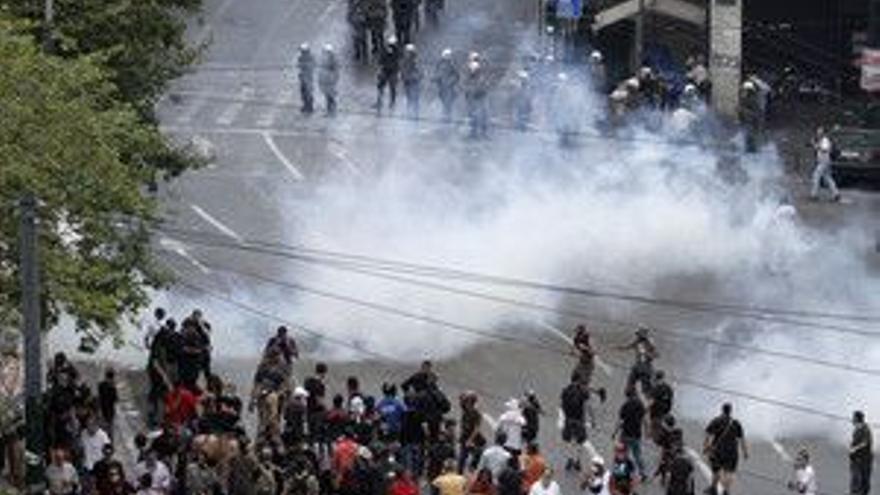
(861, 456)
(446, 78)
(598, 479)
(305, 63)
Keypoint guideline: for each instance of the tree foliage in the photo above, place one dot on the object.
(67, 138)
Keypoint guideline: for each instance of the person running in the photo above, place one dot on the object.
(861, 456)
(804, 481)
(632, 416)
(470, 440)
(586, 353)
(822, 171)
(642, 371)
(724, 441)
(573, 404)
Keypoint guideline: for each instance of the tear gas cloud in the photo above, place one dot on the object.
(636, 213)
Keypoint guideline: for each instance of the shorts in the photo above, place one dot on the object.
(574, 431)
(724, 463)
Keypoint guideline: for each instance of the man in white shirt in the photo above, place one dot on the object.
(598, 478)
(822, 172)
(804, 475)
(159, 473)
(495, 457)
(546, 485)
(92, 440)
(511, 423)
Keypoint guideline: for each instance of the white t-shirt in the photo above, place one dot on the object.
(511, 423)
(805, 479)
(601, 485)
(61, 479)
(494, 459)
(538, 488)
(93, 447)
(823, 150)
(160, 473)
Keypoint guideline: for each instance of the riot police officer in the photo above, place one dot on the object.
(446, 77)
(411, 77)
(328, 78)
(389, 71)
(305, 63)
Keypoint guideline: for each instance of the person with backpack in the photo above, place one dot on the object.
(723, 444)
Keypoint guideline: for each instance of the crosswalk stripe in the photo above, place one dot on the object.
(233, 109)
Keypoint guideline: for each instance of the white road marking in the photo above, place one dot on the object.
(271, 115)
(231, 112)
(270, 142)
(187, 115)
(339, 152)
(780, 449)
(701, 465)
(216, 223)
(180, 249)
(565, 338)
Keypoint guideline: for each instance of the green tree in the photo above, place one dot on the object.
(67, 138)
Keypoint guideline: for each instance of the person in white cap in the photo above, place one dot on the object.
(411, 77)
(822, 172)
(597, 71)
(511, 422)
(328, 78)
(446, 78)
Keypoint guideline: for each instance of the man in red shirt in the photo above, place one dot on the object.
(345, 452)
(403, 484)
(180, 405)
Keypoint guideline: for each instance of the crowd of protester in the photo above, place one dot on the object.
(409, 439)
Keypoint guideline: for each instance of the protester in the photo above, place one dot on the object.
(861, 456)
(724, 441)
(804, 481)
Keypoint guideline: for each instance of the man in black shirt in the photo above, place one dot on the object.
(107, 399)
(660, 402)
(316, 387)
(861, 456)
(681, 474)
(631, 415)
(724, 440)
(573, 403)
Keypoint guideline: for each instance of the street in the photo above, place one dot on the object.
(633, 214)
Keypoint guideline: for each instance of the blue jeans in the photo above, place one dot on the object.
(634, 447)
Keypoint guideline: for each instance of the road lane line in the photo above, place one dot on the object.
(701, 465)
(780, 449)
(216, 223)
(565, 338)
(270, 142)
(178, 248)
(271, 115)
(339, 152)
(233, 109)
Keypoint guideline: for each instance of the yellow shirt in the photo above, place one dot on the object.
(450, 484)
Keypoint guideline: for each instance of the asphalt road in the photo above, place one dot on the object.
(242, 101)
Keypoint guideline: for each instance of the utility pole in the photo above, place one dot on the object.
(639, 38)
(874, 24)
(48, 24)
(33, 372)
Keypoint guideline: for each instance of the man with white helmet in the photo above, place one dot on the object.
(305, 63)
(476, 93)
(750, 115)
(357, 20)
(597, 73)
(522, 100)
(328, 78)
(446, 77)
(389, 71)
(411, 76)
(822, 171)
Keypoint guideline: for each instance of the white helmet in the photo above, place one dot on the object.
(596, 56)
(689, 90)
(748, 86)
(410, 48)
(473, 66)
(392, 40)
(522, 75)
(562, 77)
(632, 84)
(446, 54)
(619, 95)
(645, 71)
(473, 57)
(328, 48)
(304, 47)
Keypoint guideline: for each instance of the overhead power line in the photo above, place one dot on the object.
(526, 343)
(385, 264)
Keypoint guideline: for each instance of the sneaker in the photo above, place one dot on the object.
(576, 465)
